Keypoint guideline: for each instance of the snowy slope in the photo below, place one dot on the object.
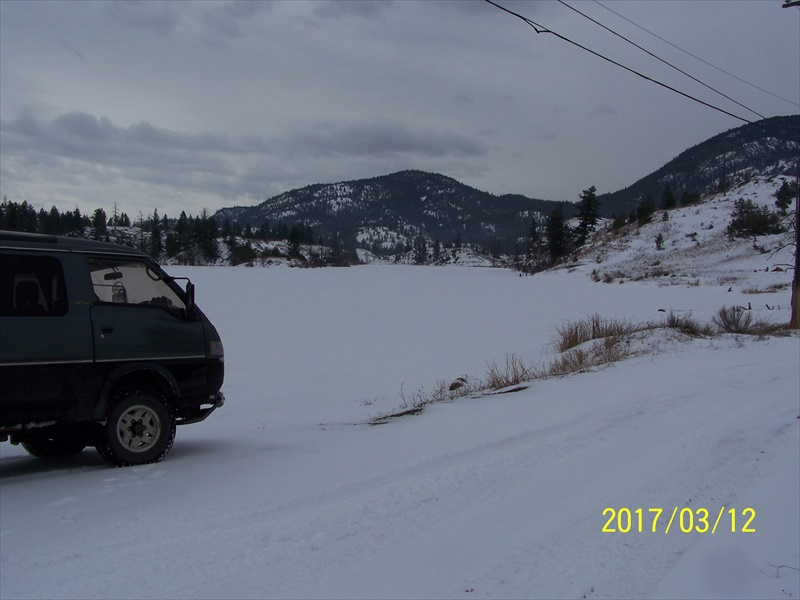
(287, 491)
(696, 249)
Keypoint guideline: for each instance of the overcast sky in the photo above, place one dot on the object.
(189, 105)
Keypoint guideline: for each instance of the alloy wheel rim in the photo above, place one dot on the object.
(138, 428)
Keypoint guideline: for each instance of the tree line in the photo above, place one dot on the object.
(552, 238)
(191, 239)
(24, 217)
(188, 239)
(156, 235)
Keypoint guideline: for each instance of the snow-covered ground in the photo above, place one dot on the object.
(288, 491)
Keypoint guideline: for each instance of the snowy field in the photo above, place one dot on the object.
(288, 492)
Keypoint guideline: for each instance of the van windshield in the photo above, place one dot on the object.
(126, 281)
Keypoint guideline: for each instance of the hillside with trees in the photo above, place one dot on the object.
(769, 147)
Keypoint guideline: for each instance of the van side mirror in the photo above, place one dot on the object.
(189, 296)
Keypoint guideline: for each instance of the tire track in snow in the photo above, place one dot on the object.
(714, 463)
(339, 538)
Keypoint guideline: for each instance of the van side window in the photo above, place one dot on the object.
(32, 286)
(125, 281)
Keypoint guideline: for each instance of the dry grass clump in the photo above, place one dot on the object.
(413, 403)
(581, 346)
(575, 333)
(736, 319)
(689, 326)
(514, 372)
(770, 289)
(601, 351)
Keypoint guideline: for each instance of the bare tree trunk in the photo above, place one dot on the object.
(794, 322)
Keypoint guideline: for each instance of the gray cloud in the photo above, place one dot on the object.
(69, 47)
(386, 139)
(603, 110)
(82, 136)
(351, 8)
(79, 145)
(156, 17)
(223, 22)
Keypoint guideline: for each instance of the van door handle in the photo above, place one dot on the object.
(107, 329)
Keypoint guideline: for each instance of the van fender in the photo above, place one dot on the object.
(141, 374)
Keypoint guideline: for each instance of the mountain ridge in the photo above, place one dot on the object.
(414, 204)
(765, 148)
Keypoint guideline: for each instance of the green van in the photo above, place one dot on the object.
(99, 347)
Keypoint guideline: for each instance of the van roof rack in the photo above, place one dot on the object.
(55, 243)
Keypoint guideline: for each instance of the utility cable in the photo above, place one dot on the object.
(541, 29)
(693, 78)
(655, 35)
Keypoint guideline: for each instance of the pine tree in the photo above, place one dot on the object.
(114, 220)
(557, 233)
(689, 198)
(668, 199)
(141, 243)
(183, 233)
(206, 232)
(155, 246)
(644, 213)
(784, 197)
(588, 214)
(749, 219)
(294, 242)
(19, 217)
(420, 251)
(99, 224)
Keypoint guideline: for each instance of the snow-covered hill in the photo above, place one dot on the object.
(689, 246)
(387, 215)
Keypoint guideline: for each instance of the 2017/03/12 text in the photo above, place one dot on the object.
(685, 520)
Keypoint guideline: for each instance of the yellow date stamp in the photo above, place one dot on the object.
(684, 520)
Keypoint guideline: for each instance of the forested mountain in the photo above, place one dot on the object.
(769, 147)
(384, 213)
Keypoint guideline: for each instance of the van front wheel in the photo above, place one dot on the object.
(139, 429)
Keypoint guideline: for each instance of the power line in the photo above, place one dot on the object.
(660, 59)
(655, 35)
(541, 29)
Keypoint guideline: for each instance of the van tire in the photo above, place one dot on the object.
(139, 428)
(53, 444)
